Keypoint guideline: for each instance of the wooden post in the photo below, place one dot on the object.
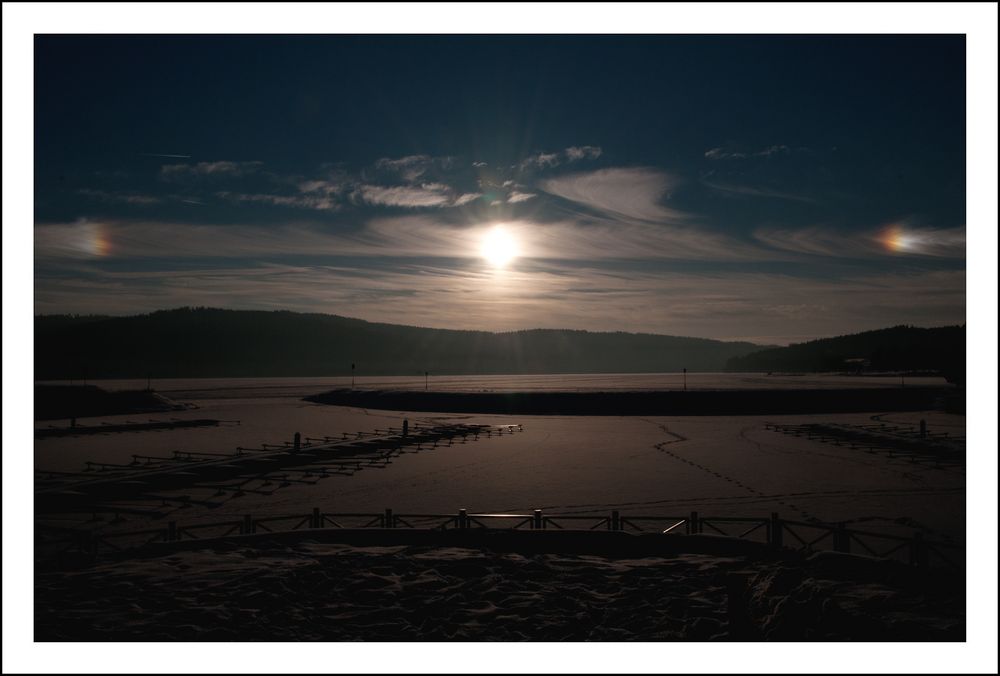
(616, 522)
(918, 550)
(537, 522)
(85, 542)
(297, 442)
(247, 527)
(693, 526)
(841, 539)
(463, 519)
(172, 531)
(389, 520)
(317, 518)
(775, 531)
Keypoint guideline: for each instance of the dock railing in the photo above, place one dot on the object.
(771, 530)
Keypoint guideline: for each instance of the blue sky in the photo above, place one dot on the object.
(770, 188)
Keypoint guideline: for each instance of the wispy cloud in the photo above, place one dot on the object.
(406, 236)
(426, 236)
(547, 160)
(633, 193)
(755, 191)
(514, 197)
(575, 153)
(410, 182)
(904, 238)
(466, 198)
(427, 195)
(113, 197)
(781, 308)
(413, 168)
(541, 161)
(81, 239)
(324, 186)
(720, 154)
(774, 150)
(899, 239)
(769, 151)
(309, 201)
(607, 240)
(222, 168)
(325, 198)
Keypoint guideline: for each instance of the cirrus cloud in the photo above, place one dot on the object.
(900, 239)
(424, 195)
(223, 168)
(628, 192)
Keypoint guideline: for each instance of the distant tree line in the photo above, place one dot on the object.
(897, 349)
(205, 342)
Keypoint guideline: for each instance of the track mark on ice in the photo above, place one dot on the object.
(662, 446)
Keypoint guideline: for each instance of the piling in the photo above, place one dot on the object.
(918, 550)
(616, 522)
(775, 531)
(317, 518)
(537, 523)
(463, 519)
(693, 525)
(388, 520)
(841, 539)
(923, 428)
(85, 542)
(297, 442)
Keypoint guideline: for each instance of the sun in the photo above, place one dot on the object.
(498, 247)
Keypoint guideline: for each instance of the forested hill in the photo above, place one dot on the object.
(196, 342)
(900, 348)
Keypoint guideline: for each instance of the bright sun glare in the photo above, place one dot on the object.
(498, 247)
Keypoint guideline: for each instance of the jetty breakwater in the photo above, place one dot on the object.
(674, 402)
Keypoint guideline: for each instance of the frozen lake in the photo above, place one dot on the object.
(654, 465)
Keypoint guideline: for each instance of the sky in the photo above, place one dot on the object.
(765, 188)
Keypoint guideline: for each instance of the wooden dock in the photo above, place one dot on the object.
(101, 486)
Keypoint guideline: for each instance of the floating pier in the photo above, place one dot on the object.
(909, 442)
(101, 486)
